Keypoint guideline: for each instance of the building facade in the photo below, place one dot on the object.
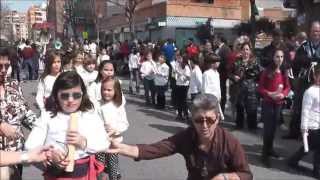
(36, 15)
(15, 26)
(179, 19)
(77, 18)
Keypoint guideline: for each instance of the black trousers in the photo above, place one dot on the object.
(270, 116)
(161, 98)
(149, 87)
(251, 116)
(314, 145)
(181, 95)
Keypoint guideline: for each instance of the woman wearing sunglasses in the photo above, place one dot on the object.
(69, 96)
(210, 151)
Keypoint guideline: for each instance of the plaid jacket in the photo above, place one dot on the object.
(15, 111)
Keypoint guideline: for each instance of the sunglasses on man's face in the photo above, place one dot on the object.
(5, 66)
(207, 120)
(75, 95)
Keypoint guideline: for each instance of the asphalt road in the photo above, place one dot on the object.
(150, 125)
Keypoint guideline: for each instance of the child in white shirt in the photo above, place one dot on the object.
(113, 113)
(195, 78)
(211, 79)
(182, 85)
(310, 123)
(89, 74)
(47, 79)
(147, 74)
(134, 59)
(161, 81)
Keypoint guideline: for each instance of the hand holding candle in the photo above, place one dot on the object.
(73, 126)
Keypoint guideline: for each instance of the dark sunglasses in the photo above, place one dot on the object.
(75, 95)
(208, 120)
(6, 66)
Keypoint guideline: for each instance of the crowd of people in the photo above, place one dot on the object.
(79, 81)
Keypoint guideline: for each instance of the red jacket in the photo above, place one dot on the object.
(272, 84)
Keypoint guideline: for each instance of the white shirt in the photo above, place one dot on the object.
(134, 61)
(51, 131)
(310, 116)
(195, 80)
(147, 69)
(161, 74)
(102, 57)
(211, 83)
(93, 48)
(182, 75)
(86, 48)
(44, 90)
(94, 93)
(88, 77)
(115, 117)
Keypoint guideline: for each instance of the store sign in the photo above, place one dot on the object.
(162, 23)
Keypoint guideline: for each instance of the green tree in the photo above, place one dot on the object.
(130, 7)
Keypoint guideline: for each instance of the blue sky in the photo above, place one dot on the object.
(21, 5)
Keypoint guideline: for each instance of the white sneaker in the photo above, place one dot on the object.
(260, 125)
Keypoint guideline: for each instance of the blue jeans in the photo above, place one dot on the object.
(29, 69)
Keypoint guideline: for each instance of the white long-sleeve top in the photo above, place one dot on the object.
(195, 80)
(310, 116)
(44, 90)
(147, 69)
(94, 93)
(211, 83)
(52, 131)
(161, 74)
(134, 60)
(88, 77)
(182, 75)
(115, 117)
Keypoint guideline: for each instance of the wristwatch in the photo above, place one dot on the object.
(24, 158)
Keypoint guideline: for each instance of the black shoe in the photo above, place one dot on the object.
(266, 161)
(292, 164)
(274, 154)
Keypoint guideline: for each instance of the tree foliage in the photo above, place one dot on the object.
(262, 25)
(130, 7)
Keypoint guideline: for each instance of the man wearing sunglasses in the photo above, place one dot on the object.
(210, 152)
(14, 111)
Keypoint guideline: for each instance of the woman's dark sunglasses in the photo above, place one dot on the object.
(75, 95)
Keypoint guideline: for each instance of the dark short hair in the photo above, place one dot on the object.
(211, 58)
(205, 102)
(117, 99)
(67, 80)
